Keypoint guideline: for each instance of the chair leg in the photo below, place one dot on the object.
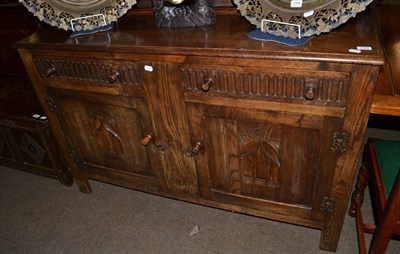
(362, 244)
(384, 230)
(357, 200)
(357, 197)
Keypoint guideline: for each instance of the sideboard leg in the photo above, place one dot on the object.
(357, 197)
(330, 239)
(84, 185)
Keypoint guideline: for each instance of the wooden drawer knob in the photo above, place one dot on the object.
(50, 71)
(207, 85)
(113, 77)
(146, 139)
(310, 92)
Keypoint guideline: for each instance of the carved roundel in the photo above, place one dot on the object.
(312, 16)
(59, 13)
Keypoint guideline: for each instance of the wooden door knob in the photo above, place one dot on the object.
(146, 139)
(113, 77)
(207, 85)
(310, 92)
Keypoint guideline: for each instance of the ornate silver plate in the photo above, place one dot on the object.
(89, 14)
(312, 17)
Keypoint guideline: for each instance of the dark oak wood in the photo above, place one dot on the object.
(244, 125)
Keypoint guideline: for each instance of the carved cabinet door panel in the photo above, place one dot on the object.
(264, 160)
(106, 132)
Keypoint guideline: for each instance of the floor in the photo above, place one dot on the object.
(38, 215)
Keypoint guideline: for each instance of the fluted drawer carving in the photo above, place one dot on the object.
(94, 70)
(329, 87)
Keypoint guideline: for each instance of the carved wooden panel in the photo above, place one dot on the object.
(261, 159)
(263, 167)
(31, 148)
(253, 166)
(106, 132)
(24, 143)
(329, 88)
(28, 145)
(249, 156)
(91, 70)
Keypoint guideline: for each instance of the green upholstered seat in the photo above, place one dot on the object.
(388, 153)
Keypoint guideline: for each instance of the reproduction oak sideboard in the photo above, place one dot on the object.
(210, 116)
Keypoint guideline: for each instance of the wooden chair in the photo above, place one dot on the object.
(380, 168)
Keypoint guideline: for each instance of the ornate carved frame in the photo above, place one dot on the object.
(59, 13)
(313, 17)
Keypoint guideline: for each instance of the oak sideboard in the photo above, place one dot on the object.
(210, 116)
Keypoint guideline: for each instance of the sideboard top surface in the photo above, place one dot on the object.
(228, 37)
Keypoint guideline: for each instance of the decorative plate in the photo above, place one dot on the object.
(309, 17)
(84, 14)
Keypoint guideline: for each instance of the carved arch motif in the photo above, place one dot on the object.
(105, 134)
(259, 159)
(262, 156)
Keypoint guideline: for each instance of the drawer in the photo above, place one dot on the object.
(282, 85)
(101, 75)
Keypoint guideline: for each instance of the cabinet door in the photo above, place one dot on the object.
(105, 136)
(264, 160)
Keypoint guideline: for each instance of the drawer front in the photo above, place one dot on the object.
(284, 85)
(90, 72)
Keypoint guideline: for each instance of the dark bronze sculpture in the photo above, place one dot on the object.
(183, 13)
